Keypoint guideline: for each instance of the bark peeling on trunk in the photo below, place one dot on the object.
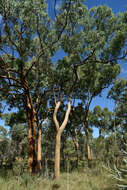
(32, 157)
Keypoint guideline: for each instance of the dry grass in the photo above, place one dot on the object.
(86, 180)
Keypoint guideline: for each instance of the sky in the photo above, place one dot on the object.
(117, 6)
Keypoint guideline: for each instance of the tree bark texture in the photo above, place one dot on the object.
(39, 157)
(32, 158)
(59, 130)
(87, 135)
(57, 156)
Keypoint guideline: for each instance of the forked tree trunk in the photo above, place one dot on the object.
(59, 130)
(57, 155)
(39, 157)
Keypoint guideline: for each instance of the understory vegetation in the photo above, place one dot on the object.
(84, 180)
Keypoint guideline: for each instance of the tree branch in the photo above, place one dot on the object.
(66, 117)
(42, 51)
(10, 78)
(55, 115)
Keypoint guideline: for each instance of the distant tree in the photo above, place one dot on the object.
(102, 119)
(119, 94)
(4, 145)
(17, 132)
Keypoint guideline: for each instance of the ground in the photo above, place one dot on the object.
(82, 180)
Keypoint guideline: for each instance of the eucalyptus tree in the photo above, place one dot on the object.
(119, 94)
(28, 41)
(105, 147)
(93, 40)
(76, 133)
(75, 129)
(5, 145)
(93, 80)
(102, 119)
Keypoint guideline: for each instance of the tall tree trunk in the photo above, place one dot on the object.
(88, 149)
(32, 158)
(31, 145)
(57, 156)
(39, 157)
(89, 152)
(59, 130)
(100, 133)
(87, 135)
(31, 117)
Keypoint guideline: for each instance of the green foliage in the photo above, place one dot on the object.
(20, 166)
(69, 149)
(119, 94)
(102, 119)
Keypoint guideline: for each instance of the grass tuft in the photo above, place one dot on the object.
(86, 180)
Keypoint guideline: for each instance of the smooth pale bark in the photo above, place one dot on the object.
(57, 156)
(59, 130)
(39, 156)
(87, 135)
(89, 152)
(88, 149)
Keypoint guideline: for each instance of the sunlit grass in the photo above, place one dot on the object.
(85, 180)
